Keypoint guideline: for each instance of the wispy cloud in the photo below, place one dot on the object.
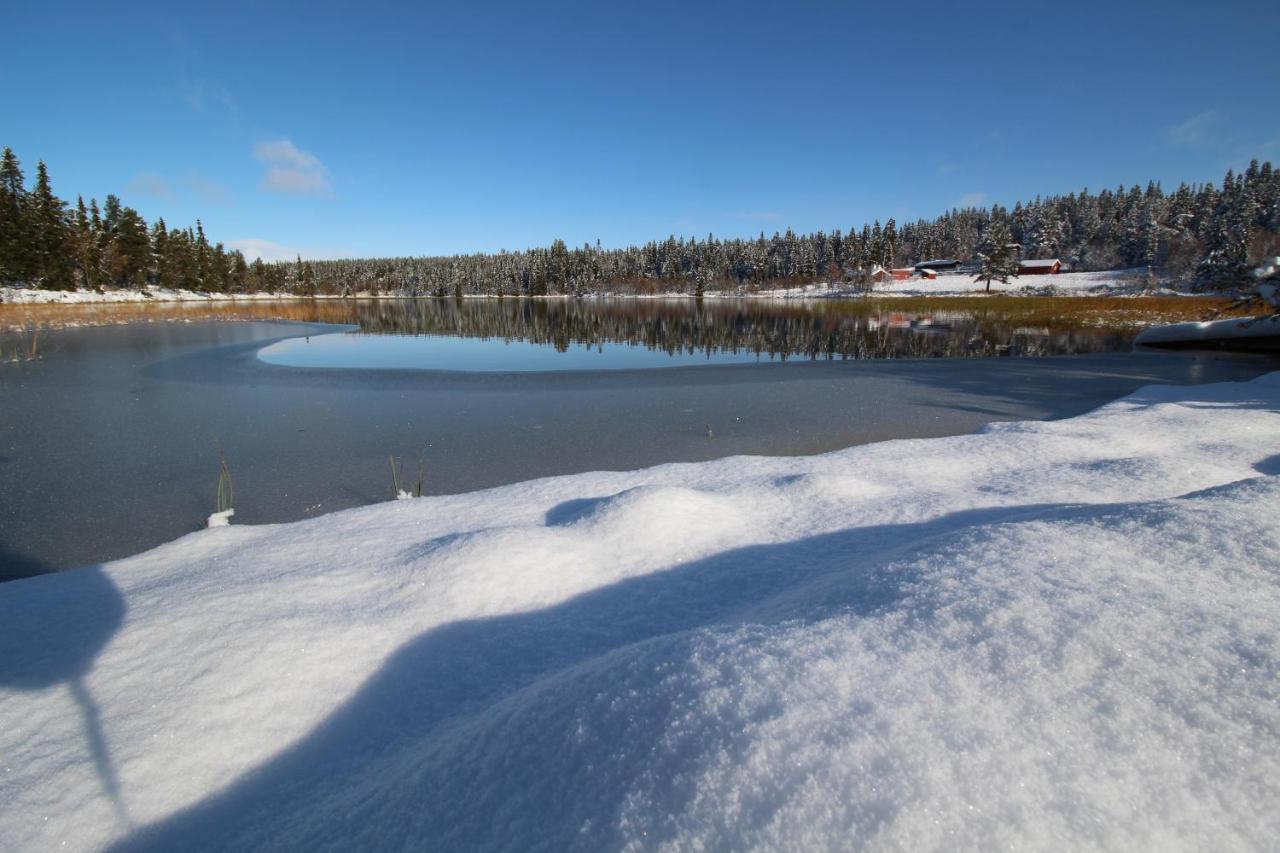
(149, 184)
(203, 96)
(206, 189)
(255, 247)
(1196, 132)
(974, 199)
(290, 169)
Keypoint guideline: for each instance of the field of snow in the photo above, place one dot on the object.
(1104, 283)
(29, 296)
(1209, 332)
(1047, 635)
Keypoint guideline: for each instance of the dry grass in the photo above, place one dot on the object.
(1070, 311)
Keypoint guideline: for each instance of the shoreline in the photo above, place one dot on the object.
(1109, 283)
(305, 442)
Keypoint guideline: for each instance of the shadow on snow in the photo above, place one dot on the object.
(56, 630)
(300, 798)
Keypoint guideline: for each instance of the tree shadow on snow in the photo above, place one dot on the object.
(297, 799)
(57, 627)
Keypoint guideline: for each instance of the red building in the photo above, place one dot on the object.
(1048, 266)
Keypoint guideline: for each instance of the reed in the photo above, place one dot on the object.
(225, 496)
(395, 477)
(397, 490)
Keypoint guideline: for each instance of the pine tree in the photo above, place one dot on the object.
(997, 258)
(128, 255)
(50, 235)
(88, 259)
(16, 261)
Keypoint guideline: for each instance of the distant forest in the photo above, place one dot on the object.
(1205, 233)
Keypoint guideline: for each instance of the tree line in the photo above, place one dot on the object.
(1209, 233)
(47, 244)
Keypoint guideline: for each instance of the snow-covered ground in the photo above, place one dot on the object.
(1105, 283)
(1236, 329)
(1049, 635)
(29, 296)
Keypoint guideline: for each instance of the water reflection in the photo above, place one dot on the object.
(821, 329)
(827, 330)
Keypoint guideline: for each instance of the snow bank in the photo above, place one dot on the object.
(1104, 283)
(1235, 330)
(28, 296)
(1047, 635)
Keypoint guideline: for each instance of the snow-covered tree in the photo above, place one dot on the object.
(997, 259)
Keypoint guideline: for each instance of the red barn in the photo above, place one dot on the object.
(1048, 266)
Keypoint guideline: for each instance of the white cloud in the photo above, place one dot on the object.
(254, 248)
(290, 169)
(206, 189)
(149, 184)
(201, 95)
(971, 200)
(1195, 132)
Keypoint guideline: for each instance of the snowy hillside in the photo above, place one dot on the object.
(1048, 635)
(1103, 283)
(31, 296)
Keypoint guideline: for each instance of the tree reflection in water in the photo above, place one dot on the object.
(805, 331)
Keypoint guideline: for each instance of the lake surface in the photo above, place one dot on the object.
(527, 336)
(682, 329)
(109, 441)
(491, 355)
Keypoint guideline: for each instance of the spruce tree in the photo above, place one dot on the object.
(997, 258)
(16, 261)
(50, 235)
(131, 250)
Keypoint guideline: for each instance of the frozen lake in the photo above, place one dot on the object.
(479, 355)
(109, 442)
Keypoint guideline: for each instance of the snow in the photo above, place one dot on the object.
(1105, 283)
(1047, 635)
(220, 519)
(30, 296)
(948, 283)
(1211, 331)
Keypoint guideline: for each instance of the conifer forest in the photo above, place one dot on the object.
(1208, 234)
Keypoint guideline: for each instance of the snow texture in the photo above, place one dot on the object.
(1049, 635)
(31, 296)
(1211, 331)
(220, 519)
(1105, 283)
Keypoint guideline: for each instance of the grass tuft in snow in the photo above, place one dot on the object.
(401, 493)
(224, 497)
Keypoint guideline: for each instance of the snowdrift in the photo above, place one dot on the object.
(1047, 635)
(1262, 333)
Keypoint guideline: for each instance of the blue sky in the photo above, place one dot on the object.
(386, 129)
